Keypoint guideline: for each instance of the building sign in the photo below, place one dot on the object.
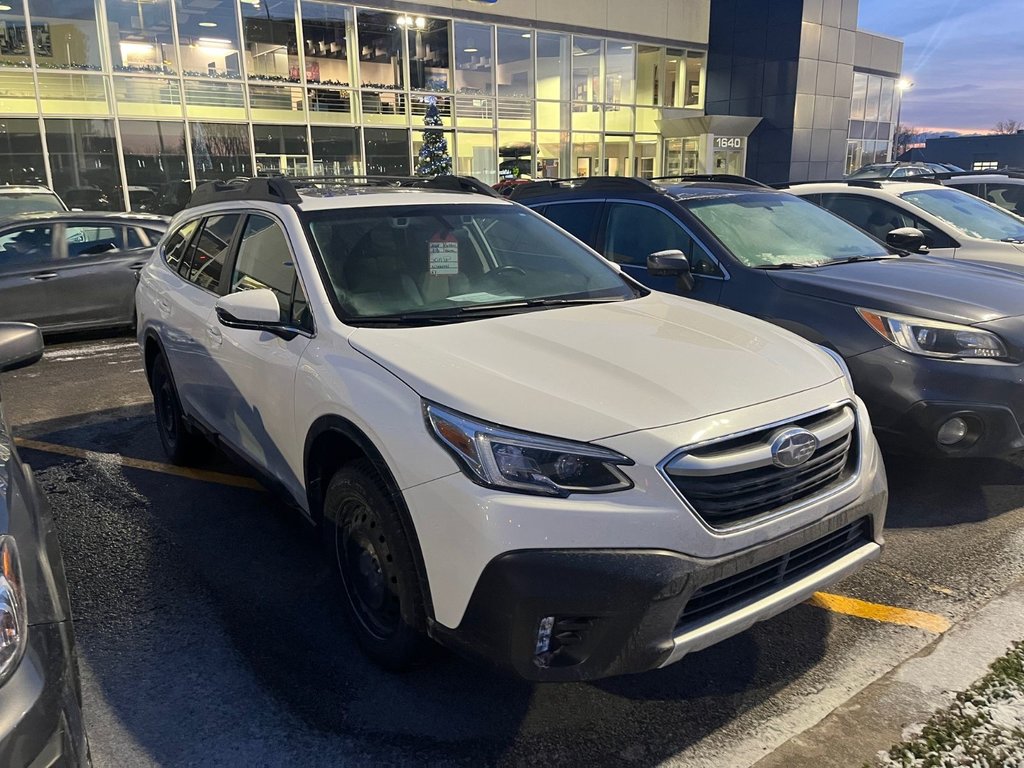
(729, 142)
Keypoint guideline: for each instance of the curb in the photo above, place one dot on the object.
(875, 719)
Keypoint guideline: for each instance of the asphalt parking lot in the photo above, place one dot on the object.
(210, 631)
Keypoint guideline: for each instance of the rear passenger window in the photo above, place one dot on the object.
(177, 243)
(91, 239)
(206, 259)
(579, 219)
(265, 261)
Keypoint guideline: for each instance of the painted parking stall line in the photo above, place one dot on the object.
(888, 614)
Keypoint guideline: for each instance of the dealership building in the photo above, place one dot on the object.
(130, 103)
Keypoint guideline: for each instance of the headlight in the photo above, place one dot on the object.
(516, 461)
(13, 625)
(934, 338)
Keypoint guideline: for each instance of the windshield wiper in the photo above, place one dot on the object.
(529, 303)
(855, 259)
(471, 312)
(790, 265)
(1014, 240)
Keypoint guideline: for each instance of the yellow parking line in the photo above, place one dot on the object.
(238, 481)
(932, 622)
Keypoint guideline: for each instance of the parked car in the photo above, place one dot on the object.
(74, 271)
(87, 198)
(949, 223)
(1002, 188)
(897, 170)
(28, 198)
(40, 693)
(934, 347)
(509, 445)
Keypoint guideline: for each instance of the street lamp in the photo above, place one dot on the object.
(902, 86)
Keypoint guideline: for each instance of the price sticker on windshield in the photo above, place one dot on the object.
(444, 256)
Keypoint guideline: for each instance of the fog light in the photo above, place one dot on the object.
(952, 432)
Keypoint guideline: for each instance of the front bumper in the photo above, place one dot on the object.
(624, 611)
(909, 397)
(41, 720)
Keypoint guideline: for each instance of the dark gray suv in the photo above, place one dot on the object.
(935, 346)
(40, 695)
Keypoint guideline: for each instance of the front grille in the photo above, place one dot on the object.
(732, 593)
(734, 480)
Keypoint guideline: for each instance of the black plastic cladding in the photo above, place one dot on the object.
(284, 189)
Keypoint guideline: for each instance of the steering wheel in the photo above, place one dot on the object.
(508, 269)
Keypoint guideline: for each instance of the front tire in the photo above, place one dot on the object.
(365, 537)
(181, 445)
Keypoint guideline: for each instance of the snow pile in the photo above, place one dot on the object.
(983, 728)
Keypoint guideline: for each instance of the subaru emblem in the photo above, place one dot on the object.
(792, 447)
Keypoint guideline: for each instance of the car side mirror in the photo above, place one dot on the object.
(907, 239)
(254, 310)
(21, 344)
(671, 263)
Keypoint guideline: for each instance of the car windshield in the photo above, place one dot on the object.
(448, 262)
(971, 215)
(764, 230)
(29, 202)
(872, 172)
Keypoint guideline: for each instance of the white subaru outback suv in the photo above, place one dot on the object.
(509, 446)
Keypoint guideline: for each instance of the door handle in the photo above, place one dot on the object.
(215, 335)
(45, 276)
(137, 265)
(164, 306)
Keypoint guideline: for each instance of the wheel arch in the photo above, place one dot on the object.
(332, 442)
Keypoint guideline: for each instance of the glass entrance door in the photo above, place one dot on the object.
(729, 161)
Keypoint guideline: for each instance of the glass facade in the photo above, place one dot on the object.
(873, 111)
(120, 104)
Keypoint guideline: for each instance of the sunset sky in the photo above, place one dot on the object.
(965, 58)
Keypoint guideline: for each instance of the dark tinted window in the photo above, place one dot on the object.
(879, 217)
(177, 243)
(25, 246)
(265, 261)
(92, 238)
(635, 231)
(579, 219)
(1008, 196)
(207, 257)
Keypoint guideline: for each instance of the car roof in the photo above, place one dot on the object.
(11, 189)
(373, 197)
(1010, 178)
(891, 186)
(120, 217)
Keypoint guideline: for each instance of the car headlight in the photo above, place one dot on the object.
(934, 338)
(517, 461)
(13, 626)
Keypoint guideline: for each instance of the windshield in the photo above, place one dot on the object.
(969, 214)
(454, 261)
(29, 202)
(872, 172)
(763, 230)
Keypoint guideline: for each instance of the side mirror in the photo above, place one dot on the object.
(21, 344)
(255, 310)
(671, 264)
(907, 239)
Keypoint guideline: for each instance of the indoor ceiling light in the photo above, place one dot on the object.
(4, 7)
(207, 23)
(527, 35)
(214, 41)
(420, 22)
(470, 50)
(627, 47)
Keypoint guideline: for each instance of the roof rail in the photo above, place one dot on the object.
(283, 189)
(724, 178)
(1010, 174)
(866, 183)
(544, 186)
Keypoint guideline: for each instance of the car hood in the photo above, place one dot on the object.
(941, 289)
(594, 371)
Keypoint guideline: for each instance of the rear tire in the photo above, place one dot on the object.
(180, 443)
(365, 537)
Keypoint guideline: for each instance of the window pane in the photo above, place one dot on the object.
(431, 160)
(329, 105)
(647, 156)
(92, 239)
(21, 152)
(693, 92)
(637, 231)
(1008, 196)
(325, 29)
(552, 155)
(17, 91)
(474, 111)
(474, 57)
(214, 99)
(515, 63)
(26, 245)
(618, 76)
(281, 149)
(212, 247)
(386, 107)
(76, 94)
(380, 50)
(650, 71)
(618, 118)
(387, 152)
(553, 57)
(586, 69)
(874, 94)
(265, 261)
(14, 35)
(618, 156)
(177, 243)
(277, 102)
(208, 34)
(83, 160)
(65, 34)
(220, 151)
(515, 150)
(156, 165)
(586, 154)
(860, 92)
(675, 66)
(429, 58)
(147, 97)
(141, 37)
(578, 219)
(477, 156)
(886, 112)
(271, 45)
(335, 151)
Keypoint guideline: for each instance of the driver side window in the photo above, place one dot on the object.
(265, 261)
(879, 217)
(25, 246)
(635, 231)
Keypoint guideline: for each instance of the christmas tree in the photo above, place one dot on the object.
(434, 159)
